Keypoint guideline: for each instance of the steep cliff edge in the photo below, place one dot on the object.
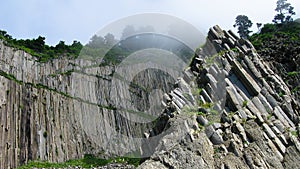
(64, 109)
(228, 110)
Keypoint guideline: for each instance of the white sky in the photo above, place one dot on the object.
(70, 20)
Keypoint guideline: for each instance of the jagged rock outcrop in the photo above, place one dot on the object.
(257, 128)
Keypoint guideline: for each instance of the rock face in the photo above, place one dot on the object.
(227, 110)
(257, 128)
(64, 109)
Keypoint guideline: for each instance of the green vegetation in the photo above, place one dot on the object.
(200, 113)
(231, 114)
(42, 86)
(243, 23)
(271, 37)
(189, 110)
(294, 133)
(244, 104)
(206, 105)
(296, 89)
(38, 48)
(213, 59)
(280, 94)
(244, 120)
(294, 73)
(88, 161)
(196, 91)
(278, 44)
(10, 77)
(200, 127)
(234, 49)
(285, 12)
(269, 116)
(97, 47)
(211, 115)
(279, 41)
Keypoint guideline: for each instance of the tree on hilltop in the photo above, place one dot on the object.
(285, 12)
(243, 23)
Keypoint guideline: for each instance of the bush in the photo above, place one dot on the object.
(38, 48)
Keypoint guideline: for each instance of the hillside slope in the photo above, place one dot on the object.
(279, 46)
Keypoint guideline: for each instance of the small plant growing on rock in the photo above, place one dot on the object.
(234, 49)
(296, 89)
(201, 113)
(294, 133)
(196, 91)
(294, 73)
(269, 116)
(244, 121)
(200, 126)
(280, 94)
(244, 104)
(189, 110)
(206, 105)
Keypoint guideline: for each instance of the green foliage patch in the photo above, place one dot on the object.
(88, 161)
(38, 48)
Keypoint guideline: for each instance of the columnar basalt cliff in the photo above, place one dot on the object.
(64, 109)
(227, 110)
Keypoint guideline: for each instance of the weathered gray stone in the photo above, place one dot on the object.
(291, 158)
(280, 146)
(242, 114)
(246, 79)
(255, 111)
(266, 104)
(212, 81)
(276, 130)
(150, 164)
(283, 140)
(188, 75)
(216, 125)
(216, 138)
(229, 36)
(282, 117)
(279, 126)
(206, 96)
(203, 121)
(233, 98)
(233, 35)
(260, 106)
(209, 130)
(269, 131)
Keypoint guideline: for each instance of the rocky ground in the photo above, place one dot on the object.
(109, 166)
